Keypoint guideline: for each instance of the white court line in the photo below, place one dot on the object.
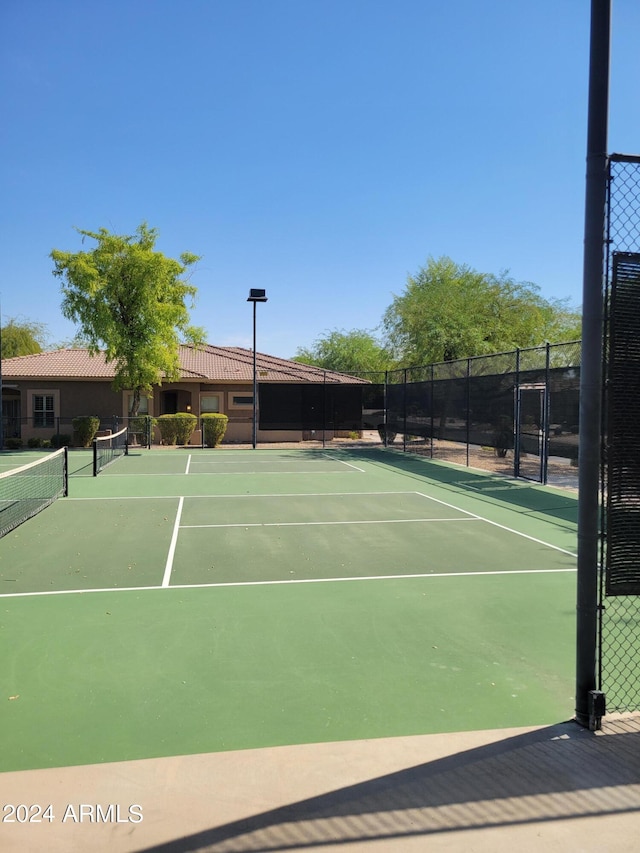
(341, 494)
(232, 473)
(501, 526)
(217, 461)
(269, 495)
(188, 464)
(346, 494)
(320, 523)
(342, 462)
(172, 547)
(182, 587)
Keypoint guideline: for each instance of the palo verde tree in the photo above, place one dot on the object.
(356, 351)
(449, 311)
(130, 301)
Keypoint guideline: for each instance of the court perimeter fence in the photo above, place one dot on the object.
(515, 413)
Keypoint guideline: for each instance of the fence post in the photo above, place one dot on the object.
(324, 408)
(546, 418)
(516, 418)
(591, 368)
(468, 405)
(404, 410)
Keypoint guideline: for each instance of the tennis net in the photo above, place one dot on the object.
(108, 448)
(26, 490)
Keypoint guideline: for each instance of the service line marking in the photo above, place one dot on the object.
(288, 581)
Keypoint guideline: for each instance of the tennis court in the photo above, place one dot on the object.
(188, 601)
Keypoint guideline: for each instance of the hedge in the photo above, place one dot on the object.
(214, 426)
(178, 428)
(84, 430)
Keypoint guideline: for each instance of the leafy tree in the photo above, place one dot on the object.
(356, 351)
(450, 311)
(130, 301)
(22, 337)
(565, 324)
(78, 341)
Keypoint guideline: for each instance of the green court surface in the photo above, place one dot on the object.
(195, 600)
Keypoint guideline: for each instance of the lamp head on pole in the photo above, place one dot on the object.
(256, 295)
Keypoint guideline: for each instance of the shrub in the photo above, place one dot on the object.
(178, 428)
(13, 443)
(185, 425)
(60, 440)
(34, 441)
(84, 430)
(168, 429)
(214, 426)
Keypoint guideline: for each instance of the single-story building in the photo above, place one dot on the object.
(42, 393)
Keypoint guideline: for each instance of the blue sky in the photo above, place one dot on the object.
(320, 149)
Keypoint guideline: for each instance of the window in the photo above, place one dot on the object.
(143, 409)
(43, 410)
(209, 403)
(241, 400)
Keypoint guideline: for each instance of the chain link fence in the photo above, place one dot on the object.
(619, 639)
(514, 413)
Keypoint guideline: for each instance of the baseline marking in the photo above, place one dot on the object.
(416, 576)
(241, 473)
(244, 496)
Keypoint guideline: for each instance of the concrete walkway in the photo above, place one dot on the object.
(558, 788)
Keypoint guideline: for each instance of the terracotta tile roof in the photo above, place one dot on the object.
(205, 364)
(62, 363)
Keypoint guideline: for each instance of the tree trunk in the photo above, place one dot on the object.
(135, 403)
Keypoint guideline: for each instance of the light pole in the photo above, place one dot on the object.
(255, 296)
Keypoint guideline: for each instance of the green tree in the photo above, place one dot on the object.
(565, 324)
(78, 341)
(450, 311)
(129, 301)
(356, 351)
(22, 337)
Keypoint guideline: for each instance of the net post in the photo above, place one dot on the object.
(65, 473)
(95, 458)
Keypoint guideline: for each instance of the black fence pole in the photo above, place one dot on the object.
(324, 408)
(431, 392)
(588, 708)
(546, 403)
(386, 405)
(404, 410)
(516, 418)
(468, 406)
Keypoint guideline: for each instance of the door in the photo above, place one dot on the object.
(531, 432)
(169, 402)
